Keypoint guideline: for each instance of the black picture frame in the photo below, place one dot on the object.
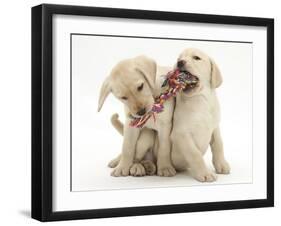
(42, 111)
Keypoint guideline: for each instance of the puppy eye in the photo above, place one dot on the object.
(196, 58)
(124, 98)
(140, 87)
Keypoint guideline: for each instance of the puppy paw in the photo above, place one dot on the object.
(221, 166)
(166, 171)
(149, 166)
(113, 163)
(204, 176)
(137, 170)
(120, 171)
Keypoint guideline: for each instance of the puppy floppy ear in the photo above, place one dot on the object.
(147, 67)
(105, 90)
(216, 78)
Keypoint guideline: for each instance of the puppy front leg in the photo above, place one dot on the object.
(141, 166)
(193, 156)
(219, 162)
(128, 151)
(145, 142)
(164, 165)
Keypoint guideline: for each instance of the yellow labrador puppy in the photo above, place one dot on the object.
(196, 119)
(136, 82)
(144, 161)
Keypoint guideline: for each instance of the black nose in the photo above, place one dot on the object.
(141, 112)
(181, 63)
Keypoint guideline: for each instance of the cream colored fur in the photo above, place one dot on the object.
(124, 82)
(196, 120)
(145, 150)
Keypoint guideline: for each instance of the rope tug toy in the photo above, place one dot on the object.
(175, 82)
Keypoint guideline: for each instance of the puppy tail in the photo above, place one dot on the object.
(117, 124)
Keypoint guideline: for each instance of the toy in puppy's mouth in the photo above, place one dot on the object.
(181, 80)
(176, 81)
(190, 81)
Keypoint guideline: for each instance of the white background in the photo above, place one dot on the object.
(66, 200)
(15, 114)
(92, 59)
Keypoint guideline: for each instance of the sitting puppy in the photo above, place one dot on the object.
(136, 82)
(144, 160)
(196, 119)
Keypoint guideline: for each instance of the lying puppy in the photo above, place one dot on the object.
(196, 119)
(136, 82)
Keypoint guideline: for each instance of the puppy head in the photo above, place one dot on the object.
(132, 82)
(199, 64)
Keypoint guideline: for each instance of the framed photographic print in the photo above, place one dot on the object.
(145, 112)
